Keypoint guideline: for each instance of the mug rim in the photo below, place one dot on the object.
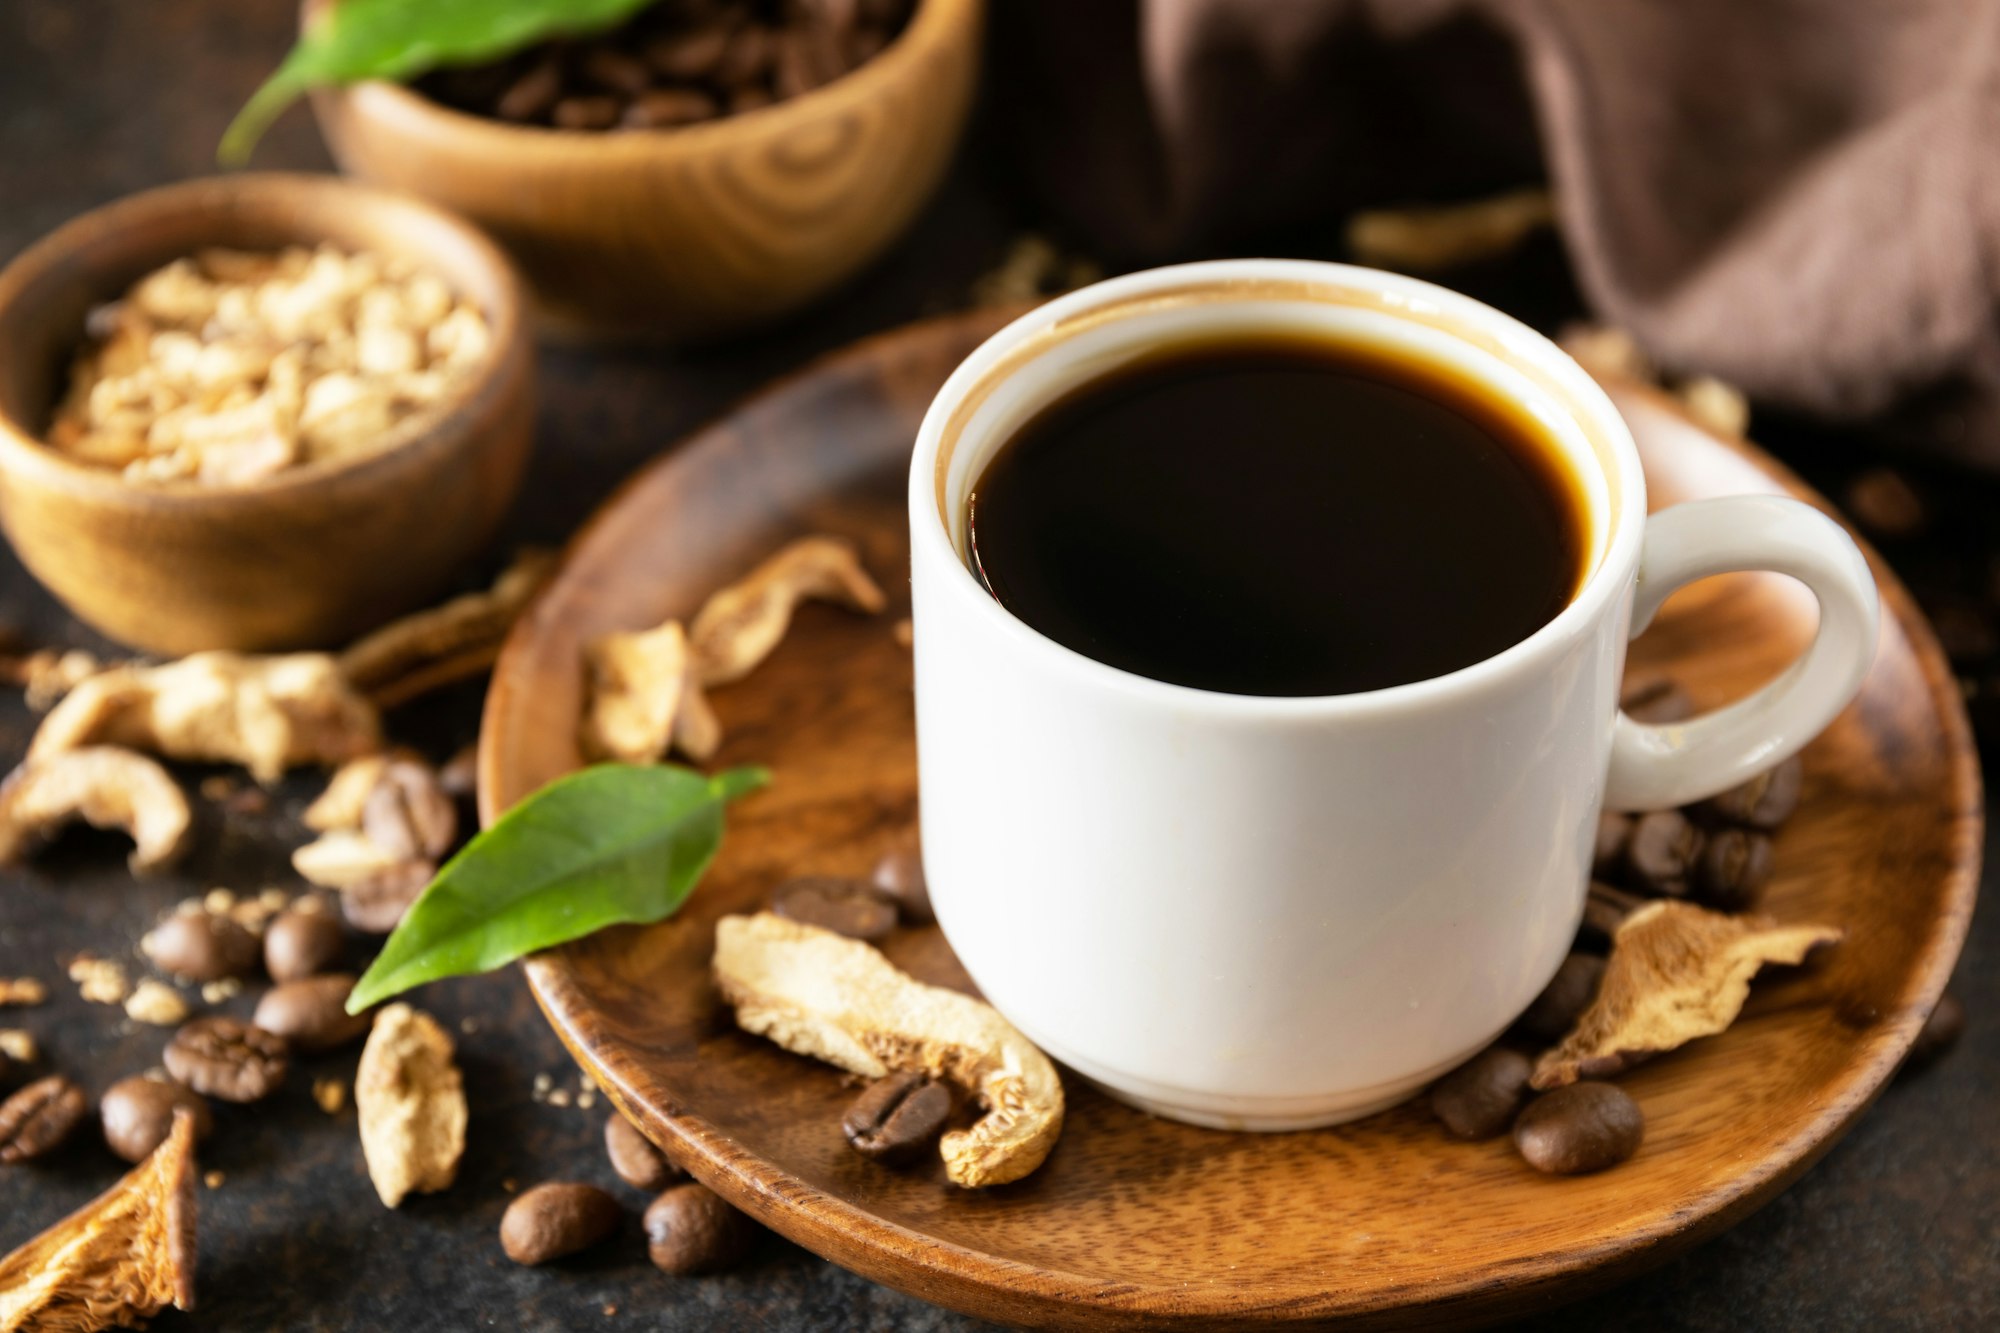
(1489, 330)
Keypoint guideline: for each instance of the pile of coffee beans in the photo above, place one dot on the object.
(212, 1056)
(1717, 852)
(895, 1117)
(679, 62)
(689, 1228)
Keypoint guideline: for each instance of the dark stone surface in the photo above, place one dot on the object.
(1898, 1228)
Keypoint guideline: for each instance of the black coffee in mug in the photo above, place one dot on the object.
(1280, 516)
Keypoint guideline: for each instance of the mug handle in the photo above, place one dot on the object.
(1659, 767)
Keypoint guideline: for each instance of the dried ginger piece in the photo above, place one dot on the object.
(410, 1100)
(645, 699)
(268, 713)
(839, 1000)
(448, 642)
(105, 786)
(1422, 240)
(118, 1260)
(1676, 972)
(738, 627)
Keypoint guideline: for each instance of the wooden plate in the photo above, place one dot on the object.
(1139, 1221)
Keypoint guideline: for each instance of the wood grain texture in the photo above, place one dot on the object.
(312, 555)
(694, 232)
(1136, 1221)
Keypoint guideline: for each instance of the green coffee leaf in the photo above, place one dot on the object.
(610, 844)
(400, 39)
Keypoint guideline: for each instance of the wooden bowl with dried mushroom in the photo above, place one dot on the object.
(258, 412)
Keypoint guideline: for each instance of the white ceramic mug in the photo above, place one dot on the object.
(1273, 913)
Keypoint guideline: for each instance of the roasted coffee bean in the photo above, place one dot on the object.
(1582, 1128)
(220, 1057)
(1733, 867)
(1563, 1000)
(848, 907)
(1764, 802)
(531, 96)
(689, 1229)
(1614, 835)
(1606, 908)
(38, 1118)
(587, 113)
(900, 874)
(138, 1113)
(310, 1014)
(1655, 700)
(1939, 1033)
(1883, 501)
(202, 946)
(556, 1219)
(1478, 1100)
(896, 1116)
(614, 71)
(635, 1159)
(302, 941)
(375, 905)
(408, 815)
(692, 55)
(665, 108)
(1662, 853)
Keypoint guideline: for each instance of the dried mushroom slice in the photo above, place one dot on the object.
(839, 1000)
(411, 1103)
(342, 859)
(1425, 240)
(447, 642)
(645, 699)
(106, 787)
(738, 627)
(118, 1260)
(1676, 972)
(340, 805)
(266, 713)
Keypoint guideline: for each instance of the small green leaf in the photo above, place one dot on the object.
(610, 844)
(400, 39)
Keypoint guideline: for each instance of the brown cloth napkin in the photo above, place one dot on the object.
(1801, 196)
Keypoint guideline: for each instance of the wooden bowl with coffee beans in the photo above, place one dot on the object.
(259, 412)
(704, 169)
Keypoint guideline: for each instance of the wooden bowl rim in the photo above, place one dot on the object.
(935, 25)
(443, 427)
(829, 1223)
